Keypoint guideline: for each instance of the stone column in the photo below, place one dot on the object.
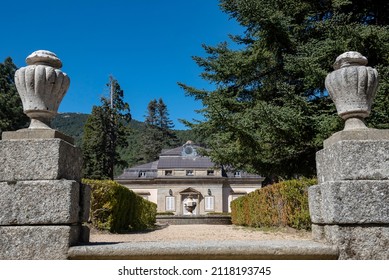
(350, 205)
(42, 202)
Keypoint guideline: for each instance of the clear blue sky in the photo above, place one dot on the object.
(145, 44)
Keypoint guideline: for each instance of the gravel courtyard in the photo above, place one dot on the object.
(202, 233)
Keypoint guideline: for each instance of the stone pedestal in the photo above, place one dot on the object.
(42, 202)
(350, 206)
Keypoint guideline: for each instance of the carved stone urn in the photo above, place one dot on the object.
(41, 86)
(190, 204)
(352, 87)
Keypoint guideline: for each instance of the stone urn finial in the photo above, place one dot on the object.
(352, 87)
(41, 86)
(190, 204)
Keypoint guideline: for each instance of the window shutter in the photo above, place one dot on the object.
(209, 203)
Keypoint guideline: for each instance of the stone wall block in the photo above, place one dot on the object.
(350, 202)
(315, 201)
(39, 159)
(37, 242)
(353, 160)
(44, 202)
(85, 202)
(364, 242)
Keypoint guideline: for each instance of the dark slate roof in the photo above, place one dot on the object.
(146, 166)
(174, 159)
(172, 152)
(242, 175)
(185, 162)
(149, 168)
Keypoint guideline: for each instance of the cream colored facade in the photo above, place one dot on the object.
(181, 179)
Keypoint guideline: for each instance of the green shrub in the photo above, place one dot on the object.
(281, 204)
(116, 208)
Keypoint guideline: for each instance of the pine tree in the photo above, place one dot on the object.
(159, 132)
(94, 145)
(152, 144)
(269, 112)
(11, 109)
(105, 133)
(166, 125)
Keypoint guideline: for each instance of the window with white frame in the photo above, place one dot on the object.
(189, 173)
(209, 203)
(142, 174)
(170, 203)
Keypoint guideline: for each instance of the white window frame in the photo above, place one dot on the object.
(209, 203)
(170, 203)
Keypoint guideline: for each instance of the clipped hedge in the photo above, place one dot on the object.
(116, 208)
(280, 204)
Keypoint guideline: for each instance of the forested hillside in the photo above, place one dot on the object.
(72, 124)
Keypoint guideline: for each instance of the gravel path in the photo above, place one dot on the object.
(202, 233)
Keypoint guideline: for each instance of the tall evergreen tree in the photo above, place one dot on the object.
(159, 132)
(94, 145)
(152, 144)
(105, 133)
(270, 112)
(11, 109)
(166, 125)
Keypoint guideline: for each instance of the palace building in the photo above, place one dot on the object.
(185, 183)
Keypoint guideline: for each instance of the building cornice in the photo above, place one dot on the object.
(173, 180)
(190, 180)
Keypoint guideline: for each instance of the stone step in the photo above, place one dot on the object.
(194, 220)
(206, 250)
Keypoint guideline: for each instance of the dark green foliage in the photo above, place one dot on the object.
(11, 109)
(132, 154)
(71, 124)
(159, 131)
(269, 112)
(94, 145)
(185, 135)
(280, 204)
(105, 133)
(116, 208)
